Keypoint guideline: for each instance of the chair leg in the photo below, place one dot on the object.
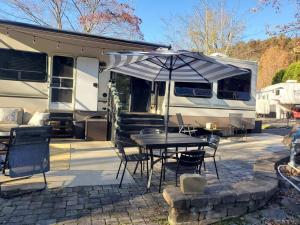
(216, 167)
(123, 174)
(141, 168)
(119, 169)
(136, 166)
(204, 167)
(199, 171)
(161, 174)
(147, 167)
(176, 175)
(45, 180)
(164, 170)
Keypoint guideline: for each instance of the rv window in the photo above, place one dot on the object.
(61, 95)
(23, 66)
(63, 66)
(200, 90)
(277, 92)
(235, 88)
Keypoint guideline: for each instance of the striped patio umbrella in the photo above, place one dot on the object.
(169, 65)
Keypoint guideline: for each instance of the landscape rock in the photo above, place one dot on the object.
(192, 183)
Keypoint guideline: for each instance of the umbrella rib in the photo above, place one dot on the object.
(158, 73)
(162, 64)
(174, 62)
(193, 69)
(160, 70)
(178, 67)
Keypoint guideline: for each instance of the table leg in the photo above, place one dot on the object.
(151, 169)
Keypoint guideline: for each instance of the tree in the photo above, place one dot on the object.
(278, 76)
(105, 17)
(289, 28)
(211, 28)
(272, 60)
(292, 72)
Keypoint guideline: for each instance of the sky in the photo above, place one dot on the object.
(152, 13)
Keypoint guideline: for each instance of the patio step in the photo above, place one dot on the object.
(140, 115)
(133, 123)
(139, 127)
(141, 120)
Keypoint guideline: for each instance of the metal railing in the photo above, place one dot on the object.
(114, 109)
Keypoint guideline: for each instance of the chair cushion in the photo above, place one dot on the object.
(11, 115)
(7, 127)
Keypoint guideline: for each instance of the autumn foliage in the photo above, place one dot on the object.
(105, 17)
(272, 55)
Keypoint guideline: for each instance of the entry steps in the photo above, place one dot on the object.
(132, 123)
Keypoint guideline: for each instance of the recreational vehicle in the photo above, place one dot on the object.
(45, 69)
(62, 72)
(278, 99)
(198, 103)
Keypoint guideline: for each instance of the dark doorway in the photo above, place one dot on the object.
(140, 95)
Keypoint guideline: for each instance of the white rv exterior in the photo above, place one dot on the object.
(73, 65)
(278, 99)
(216, 108)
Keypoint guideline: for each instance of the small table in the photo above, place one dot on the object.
(160, 141)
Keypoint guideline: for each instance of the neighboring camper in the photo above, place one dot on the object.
(279, 99)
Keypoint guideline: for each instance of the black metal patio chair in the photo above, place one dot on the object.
(188, 162)
(211, 150)
(156, 152)
(184, 128)
(27, 155)
(139, 158)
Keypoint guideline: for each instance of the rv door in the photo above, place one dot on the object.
(86, 96)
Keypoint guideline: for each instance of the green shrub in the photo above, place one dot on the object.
(292, 72)
(278, 76)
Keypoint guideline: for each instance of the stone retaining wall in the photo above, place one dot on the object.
(222, 201)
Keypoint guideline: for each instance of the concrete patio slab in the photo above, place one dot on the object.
(77, 163)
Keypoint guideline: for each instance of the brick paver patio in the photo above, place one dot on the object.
(131, 204)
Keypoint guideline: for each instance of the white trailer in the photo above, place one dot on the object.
(278, 99)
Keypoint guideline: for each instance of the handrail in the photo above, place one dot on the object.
(114, 108)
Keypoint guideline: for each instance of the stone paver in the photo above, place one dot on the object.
(107, 204)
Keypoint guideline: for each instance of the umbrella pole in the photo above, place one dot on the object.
(168, 101)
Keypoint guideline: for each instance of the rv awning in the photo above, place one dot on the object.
(186, 66)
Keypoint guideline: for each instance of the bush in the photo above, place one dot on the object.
(278, 76)
(292, 72)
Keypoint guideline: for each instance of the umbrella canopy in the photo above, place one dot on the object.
(167, 65)
(156, 65)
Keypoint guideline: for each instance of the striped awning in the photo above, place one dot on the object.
(185, 66)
